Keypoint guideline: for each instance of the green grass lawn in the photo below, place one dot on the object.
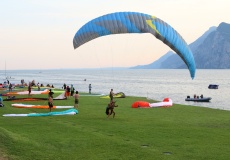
(180, 132)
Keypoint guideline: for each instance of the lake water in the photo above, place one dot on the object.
(154, 84)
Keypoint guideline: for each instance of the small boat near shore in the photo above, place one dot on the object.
(204, 99)
(213, 86)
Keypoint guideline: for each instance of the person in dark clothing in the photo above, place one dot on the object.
(72, 89)
(201, 96)
(110, 109)
(10, 87)
(29, 89)
(90, 87)
(111, 94)
(64, 86)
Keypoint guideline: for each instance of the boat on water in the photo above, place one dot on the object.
(204, 99)
(213, 86)
(7, 78)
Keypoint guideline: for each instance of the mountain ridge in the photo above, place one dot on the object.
(211, 51)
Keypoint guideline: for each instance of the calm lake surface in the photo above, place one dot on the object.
(154, 84)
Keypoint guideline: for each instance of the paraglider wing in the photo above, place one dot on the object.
(134, 22)
(140, 104)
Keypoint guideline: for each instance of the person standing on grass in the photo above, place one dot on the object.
(38, 86)
(72, 89)
(67, 92)
(29, 89)
(76, 99)
(10, 87)
(111, 94)
(50, 100)
(64, 86)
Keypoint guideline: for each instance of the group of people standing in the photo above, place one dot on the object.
(50, 99)
(70, 91)
(10, 86)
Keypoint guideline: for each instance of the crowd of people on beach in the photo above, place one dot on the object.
(69, 91)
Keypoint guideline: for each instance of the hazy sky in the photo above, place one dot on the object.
(38, 34)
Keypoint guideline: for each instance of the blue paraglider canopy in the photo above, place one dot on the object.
(134, 22)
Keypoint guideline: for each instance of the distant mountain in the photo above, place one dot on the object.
(175, 62)
(214, 52)
(207, 51)
(156, 64)
(193, 46)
